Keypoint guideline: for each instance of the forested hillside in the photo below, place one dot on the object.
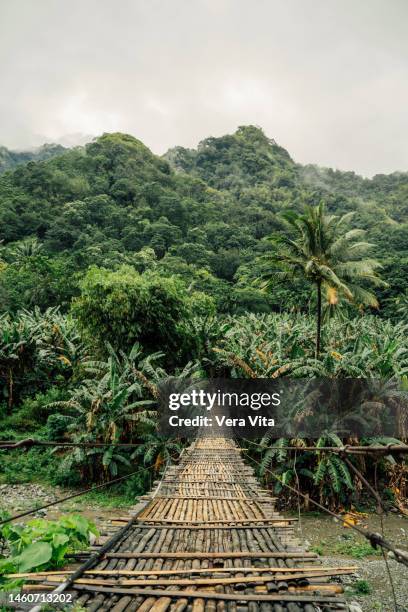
(119, 269)
(262, 177)
(202, 215)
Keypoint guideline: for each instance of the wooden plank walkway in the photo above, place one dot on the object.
(209, 539)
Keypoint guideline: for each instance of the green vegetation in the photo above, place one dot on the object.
(35, 465)
(347, 544)
(202, 216)
(358, 549)
(124, 307)
(362, 587)
(120, 270)
(114, 497)
(317, 549)
(41, 544)
(69, 396)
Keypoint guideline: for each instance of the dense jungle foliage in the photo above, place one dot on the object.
(119, 269)
(202, 216)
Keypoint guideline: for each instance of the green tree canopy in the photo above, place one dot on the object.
(123, 307)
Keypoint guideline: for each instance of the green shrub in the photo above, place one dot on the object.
(43, 544)
(65, 474)
(34, 465)
(138, 484)
(56, 426)
(362, 587)
(33, 411)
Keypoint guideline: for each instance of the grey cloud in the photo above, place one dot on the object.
(326, 79)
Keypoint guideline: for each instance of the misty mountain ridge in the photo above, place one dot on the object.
(201, 214)
(10, 159)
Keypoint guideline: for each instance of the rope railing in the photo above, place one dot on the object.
(400, 448)
(29, 442)
(347, 448)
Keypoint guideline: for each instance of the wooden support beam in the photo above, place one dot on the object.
(208, 595)
(199, 478)
(175, 572)
(241, 554)
(199, 581)
(253, 522)
(331, 588)
(211, 497)
(208, 526)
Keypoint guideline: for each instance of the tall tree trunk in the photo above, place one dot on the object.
(319, 319)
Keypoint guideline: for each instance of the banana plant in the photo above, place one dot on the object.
(157, 450)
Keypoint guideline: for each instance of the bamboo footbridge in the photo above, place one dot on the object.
(208, 538)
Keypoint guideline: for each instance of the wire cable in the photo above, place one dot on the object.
(388, 448)
(347, 448)
(58, 501)
(375, 539)
(29, 442)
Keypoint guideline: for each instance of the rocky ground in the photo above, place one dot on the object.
(369, 587)
(20, 497)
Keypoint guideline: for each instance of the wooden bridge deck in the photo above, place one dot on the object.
(209, 539)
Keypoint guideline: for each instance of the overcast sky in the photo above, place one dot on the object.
(328, 79)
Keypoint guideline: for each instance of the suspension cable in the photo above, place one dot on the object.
(63, 499)
(375, 539)
(387, 565)
(29, 442)
(348, 448)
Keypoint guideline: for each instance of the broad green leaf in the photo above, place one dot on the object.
(60, 539)
(34, 555)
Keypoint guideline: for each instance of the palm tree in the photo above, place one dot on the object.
(319, 248)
